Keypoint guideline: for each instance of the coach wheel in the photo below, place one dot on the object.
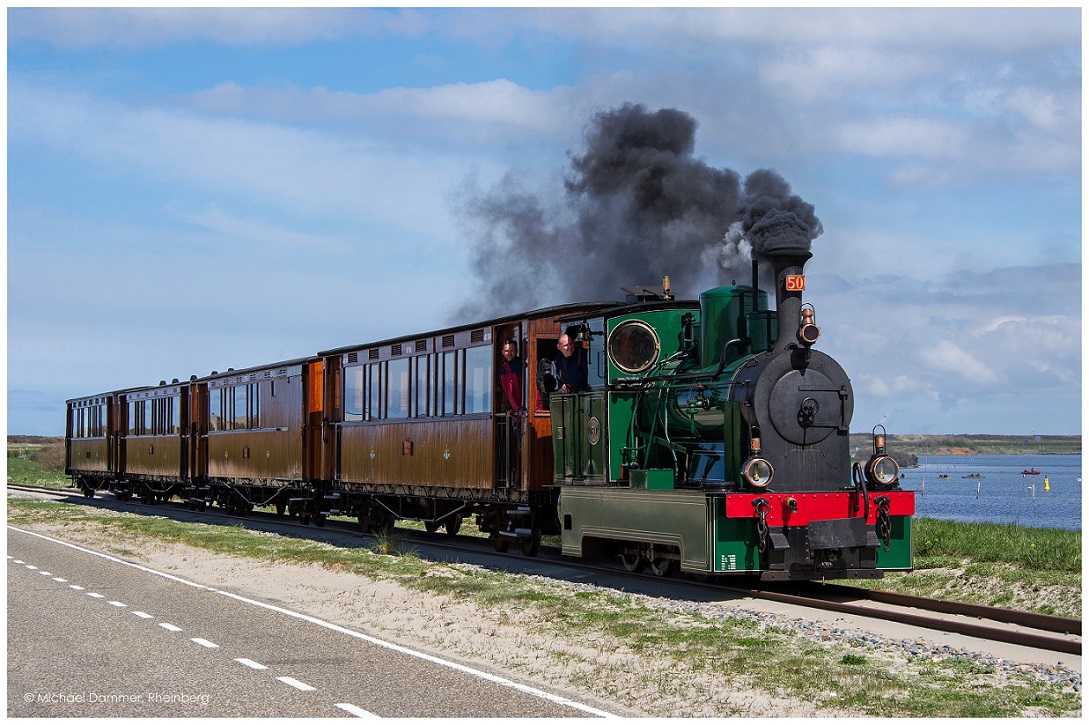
(304, 518)
(363, 524)
(319, 519)
(501, 545)
(453, 524)
(532, 545)
(662, 566)
(202, 506)
(280, 508)
(431, 527)
(633, 562)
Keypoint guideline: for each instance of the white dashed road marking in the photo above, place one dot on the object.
(143, 615)
(296, 684)
(357, 711)
(118, 604)
(251, 664)
(96, 595)
(169, 627)
(204, 643)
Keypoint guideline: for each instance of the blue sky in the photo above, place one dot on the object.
(191, 190)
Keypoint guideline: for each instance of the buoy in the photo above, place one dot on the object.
(1047, 484)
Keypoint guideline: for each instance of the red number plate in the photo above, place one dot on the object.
(795, 282)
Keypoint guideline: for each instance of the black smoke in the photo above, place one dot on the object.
(636, 205)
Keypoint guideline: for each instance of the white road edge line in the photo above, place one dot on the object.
(296, 684)
(250, 663)
(355, 710)
(343, 630)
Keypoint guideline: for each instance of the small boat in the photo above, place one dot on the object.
(1030, 472)
(974, 475)
(943, 477)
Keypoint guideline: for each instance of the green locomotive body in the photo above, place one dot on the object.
(719, 447)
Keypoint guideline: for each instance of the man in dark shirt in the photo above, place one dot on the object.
(571, 366)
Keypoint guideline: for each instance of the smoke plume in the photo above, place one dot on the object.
(636, 205)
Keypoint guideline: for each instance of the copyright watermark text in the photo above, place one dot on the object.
(116, 698)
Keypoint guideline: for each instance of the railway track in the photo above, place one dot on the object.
(1027, 629)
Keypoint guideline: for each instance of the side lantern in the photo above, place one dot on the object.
(881, 469)
(757, 471)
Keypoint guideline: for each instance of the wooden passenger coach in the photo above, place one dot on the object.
(421, 429)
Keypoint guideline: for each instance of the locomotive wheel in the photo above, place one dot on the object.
(634, 563)
(662, 567)
(500, 545)
(532, 545)
(453, 524)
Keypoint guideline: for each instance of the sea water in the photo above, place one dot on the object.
(1002, 495)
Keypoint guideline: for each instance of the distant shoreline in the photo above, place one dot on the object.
(980, 444)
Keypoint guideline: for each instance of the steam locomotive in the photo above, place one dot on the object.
(712, 438)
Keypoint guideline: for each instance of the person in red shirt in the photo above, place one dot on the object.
(510, 379)
(510, 376)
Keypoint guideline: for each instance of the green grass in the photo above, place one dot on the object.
(28, 472)
(937, 542)
(721, 652)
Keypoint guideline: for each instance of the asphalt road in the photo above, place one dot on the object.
(92, 636)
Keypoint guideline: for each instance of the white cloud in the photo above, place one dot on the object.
(833, 72)
(904, 136)
(490, 107)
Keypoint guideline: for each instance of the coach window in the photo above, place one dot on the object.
(148, 427)
(397, 390)
(353, 393)
(423, 388)
(374, 380)
(449, 383)
(175, 414)
(215, 409)
(478, 379)
(239, 422)
(254, 395)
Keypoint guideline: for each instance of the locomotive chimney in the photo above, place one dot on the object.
(788, 261)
